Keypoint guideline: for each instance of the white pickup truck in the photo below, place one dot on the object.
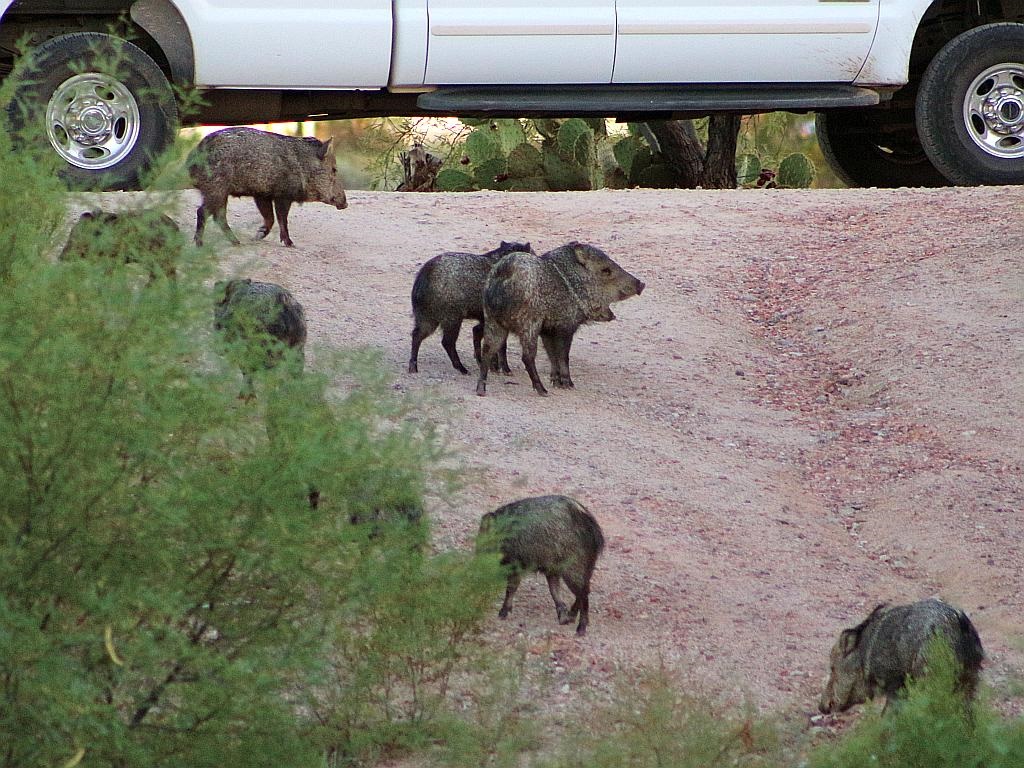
(906, 92)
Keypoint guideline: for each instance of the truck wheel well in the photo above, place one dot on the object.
(946, 19)
(155, 26)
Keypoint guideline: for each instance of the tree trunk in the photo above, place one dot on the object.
(720, 159)
(711, 167)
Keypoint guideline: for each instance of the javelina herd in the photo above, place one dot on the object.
(507, 290)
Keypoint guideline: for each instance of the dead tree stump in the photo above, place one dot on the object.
(419, 170)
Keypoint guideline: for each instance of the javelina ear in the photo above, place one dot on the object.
(849, 639)
(326, 148)
(580, 251)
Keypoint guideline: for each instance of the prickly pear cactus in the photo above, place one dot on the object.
(504, 154)
(795, 171)
(638, 163)
(748, 168)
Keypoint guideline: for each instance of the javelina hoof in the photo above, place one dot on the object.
(288, 243)
(503, 613)
(540, 389)
(562, 382)
(262, 232)
(481, 388)
(413, 367)
(461, 369)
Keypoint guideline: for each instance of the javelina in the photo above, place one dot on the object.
(129, 237)
(876, 656)
(265, 318)
(449, 289)
(274, 170)
(554, 535)
(549, 296)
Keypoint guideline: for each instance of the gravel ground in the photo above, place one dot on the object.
(815, 406)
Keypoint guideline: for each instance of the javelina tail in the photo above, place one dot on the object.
(590, 533)
(974, 654)
(289, 321)
(419, 285)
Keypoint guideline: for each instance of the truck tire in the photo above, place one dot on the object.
(101, 103)
(970, 107)
(863, 153)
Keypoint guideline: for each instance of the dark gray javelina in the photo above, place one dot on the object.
(549, 297)
(274, 170)
(259, 320)
(129, 237)
(449, 289)
(875, 657)
(554, 535)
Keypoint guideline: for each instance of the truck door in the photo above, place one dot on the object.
(267, 44)
(743, 41)
(520, 42)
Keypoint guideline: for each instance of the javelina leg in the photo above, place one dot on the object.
(478, 335)
(218, 209)
(529, 342)
(555, 588)
(449, 335)
(503, 357)
(266, 206)
(500, 363)
(494, 338)
(420, 331)
(557, 347)
(200, 224)
(281, 208)
(510, 590)
(581, 605)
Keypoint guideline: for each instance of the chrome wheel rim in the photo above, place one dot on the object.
(994, 111)
(92, 121)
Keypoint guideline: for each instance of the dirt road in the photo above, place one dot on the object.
(815, 406)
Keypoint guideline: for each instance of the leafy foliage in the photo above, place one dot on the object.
(168, 594)
(654, 724)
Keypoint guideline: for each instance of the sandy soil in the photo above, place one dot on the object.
(815, 406)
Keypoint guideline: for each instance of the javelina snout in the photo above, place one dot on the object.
(554, 535)
(875, 657)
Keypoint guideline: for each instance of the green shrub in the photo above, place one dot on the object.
(168, 595)
(654, 723)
